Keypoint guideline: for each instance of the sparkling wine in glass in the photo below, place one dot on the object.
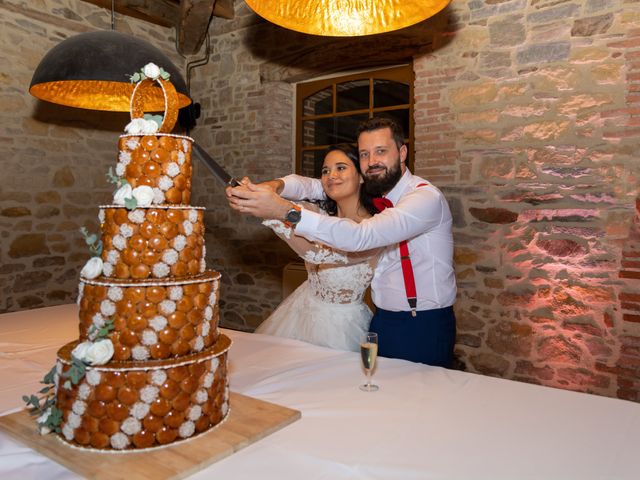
(369, 353)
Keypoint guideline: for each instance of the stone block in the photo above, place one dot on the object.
(558, 349)
(509, 32)
(494, 215)
(511, 338)
(588, 27)
(15, 212)
(64, 178)
(544, 53)
(28, 245)
(489, 364)
(31, 280)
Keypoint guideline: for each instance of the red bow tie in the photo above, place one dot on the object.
(381, 203)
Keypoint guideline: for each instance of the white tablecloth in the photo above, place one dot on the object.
(424, 423)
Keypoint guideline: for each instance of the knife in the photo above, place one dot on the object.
(215, 167)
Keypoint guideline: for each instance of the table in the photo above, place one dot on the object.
(424, 423)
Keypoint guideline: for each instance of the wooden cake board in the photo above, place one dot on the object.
(249, 420)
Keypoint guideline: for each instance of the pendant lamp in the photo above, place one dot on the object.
(91, 70)
(346, 18)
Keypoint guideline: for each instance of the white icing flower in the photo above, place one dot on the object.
(122, 194)
(99, 353)
(203, 265)
(149, 337)
(186, 429)
(107, 308)
(179, 242)
(172, 169)
(214, 364)
(224, 408)
(135, 126)
(120, 169)
(119, 441)
(143, 195)
(150, 127)
(80, 292)
(175, 293)
(124, 158)
(98, 320)
(188, 227)
(139, 410)
(119, 242)
(92, 269)
(193, 215)
(139, 352)
(198, 344)
(45, 416)
(201, 396)
(204, 251)
(93, 377)
(74, 420)
(161, 269)
(81, 350)
(113, 256)
(205, 329)
(136, 216)
(167, 307)
(44, 430)
(107, 269)
(158, 196)
(158, 377)
(59, 368)
(213, 297)
(195, 412)
(67, 431)
(185, 144)
(83, 391)
(165, 183)
(181, 158)
(208, 380)
(101, 216)
(130, 426)
(158, 323)
(208, 313)
(151, 70)
(79, 407)
(115, 293)
(126, 230)
(132, 143)
(149, 393)
(170, 256)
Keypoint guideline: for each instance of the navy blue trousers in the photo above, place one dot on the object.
(428, 337)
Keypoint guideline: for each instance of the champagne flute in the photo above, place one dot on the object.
(369, 353)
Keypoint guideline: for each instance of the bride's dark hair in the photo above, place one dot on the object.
(329, 205)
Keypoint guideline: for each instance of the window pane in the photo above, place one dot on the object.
(319, 103)
(401, 116)
(318, 132)
(352, 95)
(312, 163)
(387, 93)
(348, 126)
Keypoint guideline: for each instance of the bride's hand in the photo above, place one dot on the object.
(259, 200)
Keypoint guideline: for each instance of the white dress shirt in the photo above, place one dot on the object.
(420, 214)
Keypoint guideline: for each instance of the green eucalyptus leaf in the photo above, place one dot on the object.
(49, 378)
(130, 203)
(67, 385)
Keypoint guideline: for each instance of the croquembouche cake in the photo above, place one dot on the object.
(149, 368)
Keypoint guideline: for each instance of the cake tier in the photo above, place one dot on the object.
(161, 161)
(152, 319)
(143, 405)
(160, 242)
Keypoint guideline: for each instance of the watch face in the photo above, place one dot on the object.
(293, 216)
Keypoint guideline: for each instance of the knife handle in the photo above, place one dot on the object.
(233, 182)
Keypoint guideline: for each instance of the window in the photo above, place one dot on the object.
(329, 111)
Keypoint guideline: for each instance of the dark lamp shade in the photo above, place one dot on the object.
(91, 70)
(346, 18)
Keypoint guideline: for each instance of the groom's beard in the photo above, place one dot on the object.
(378, 185)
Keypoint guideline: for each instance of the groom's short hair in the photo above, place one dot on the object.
(377, 123)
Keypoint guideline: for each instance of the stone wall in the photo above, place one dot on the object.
(54, 158)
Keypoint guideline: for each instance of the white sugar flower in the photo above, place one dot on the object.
(139, 352)
(80, 351)
(93, 377)
(195, 412)
(120, 169)
(132, 143)
(101, 216)
(208, 380)
(158, 377)
(107, 308)
(83, 391)
(158, 323)
(92, 269)
(204, 251)
(186, 429)
(208, 313)
(205, 329)
(149, 337)
(161, 269)
(115, 293)
(45, 416)
(113, 256)
(214, 364)
(122, 194)
(201, 396)
(185, 144)
(203, 265)
(151, 70)
(225, 408)
(119, 441)
(119, 242)
(179, 242)
(175, 293)
(80, 292)
(148, 394)
(181, 158)
(158, 196)
(139, 410)
(143, 195)
(213, 297)
(67, 431)
(193, 215)
(188, 227)
(172, 169)
(126, 230)
(124, 158)
(100, 352)
(198, 344)
(170, 256)
(165, 183)
(107, 269)
(136, 216)
(167, 307)
(130, 426)
(79, 407)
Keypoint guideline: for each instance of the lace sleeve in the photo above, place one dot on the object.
(316, 253)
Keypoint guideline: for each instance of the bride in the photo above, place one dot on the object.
(328, 308)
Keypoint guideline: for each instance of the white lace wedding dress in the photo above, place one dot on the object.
(328, 308)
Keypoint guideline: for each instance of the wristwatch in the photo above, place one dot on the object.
(293, 216)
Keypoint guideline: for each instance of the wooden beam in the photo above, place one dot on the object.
(158, 12)
(223, 9)
(193, 25)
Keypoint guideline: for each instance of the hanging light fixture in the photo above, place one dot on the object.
(91, 70)
(346, 18)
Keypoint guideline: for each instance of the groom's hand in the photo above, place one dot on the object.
(260, 200)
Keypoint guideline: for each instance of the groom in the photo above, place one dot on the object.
(414, 283)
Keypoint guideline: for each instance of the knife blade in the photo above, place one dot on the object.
(219, 172)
